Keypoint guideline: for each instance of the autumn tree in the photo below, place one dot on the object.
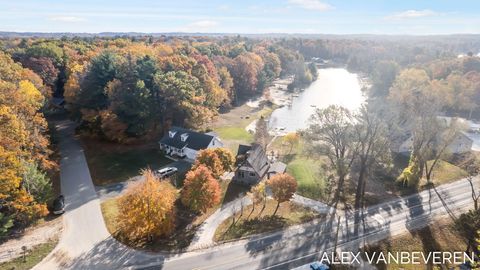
(45, 68)
(147, 209)
(292, 139)
(283, 187)
(217, 160)
(200, 190)
(258, 194)
(23, 141)
(209, 158)
(244, 71)
(417, 104)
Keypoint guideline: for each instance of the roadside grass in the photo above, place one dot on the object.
(444, 172)
(248, 222)
(438, 236)
(112, 163)
(33, 256)
(186, 222)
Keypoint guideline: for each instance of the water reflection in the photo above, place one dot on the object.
(333, 86)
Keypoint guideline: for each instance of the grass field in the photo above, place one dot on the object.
(112, 163)
(234, 133)
(439, 236)
(33, 257)
(251, 222)
(309, 175)
(231, 126)
(308, 171)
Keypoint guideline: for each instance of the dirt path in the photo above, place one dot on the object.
(33, 236)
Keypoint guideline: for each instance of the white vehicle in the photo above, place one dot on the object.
(166, 172)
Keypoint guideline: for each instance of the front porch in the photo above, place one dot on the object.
(173, 151)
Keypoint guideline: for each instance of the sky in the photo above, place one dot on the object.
(413, 17)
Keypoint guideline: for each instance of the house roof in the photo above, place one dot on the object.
(243, 149)
(195, 140)
(277, 167)
(257, 158)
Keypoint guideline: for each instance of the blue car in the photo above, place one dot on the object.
(318, 266)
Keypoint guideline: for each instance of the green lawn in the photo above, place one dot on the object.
(308, 172)
(253, 222)
(234, 133)
(34, 256)
(116, 163)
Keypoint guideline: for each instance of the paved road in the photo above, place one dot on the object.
(302, 244)
(86, 244)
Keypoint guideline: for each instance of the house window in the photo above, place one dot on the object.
(241, 174)
(171, 134)
(184, 137)
(252, 174)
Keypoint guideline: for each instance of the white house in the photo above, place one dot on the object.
(185, 143)
(460, 144)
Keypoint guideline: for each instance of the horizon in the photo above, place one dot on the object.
(300, 17)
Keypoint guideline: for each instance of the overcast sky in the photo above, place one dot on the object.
(247, 16)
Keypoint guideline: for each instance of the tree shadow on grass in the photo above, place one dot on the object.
(257, 225)
(234, 191)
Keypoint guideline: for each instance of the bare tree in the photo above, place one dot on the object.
(331, 134)
(372, 149)
(475, 196)
(262, 137)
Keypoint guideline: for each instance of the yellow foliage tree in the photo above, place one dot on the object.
(217, 160)
(147, 210)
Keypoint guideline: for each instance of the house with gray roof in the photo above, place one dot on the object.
(185, 143)
(253, 165)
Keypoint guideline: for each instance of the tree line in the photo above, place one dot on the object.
(122, 89)
(25, 188)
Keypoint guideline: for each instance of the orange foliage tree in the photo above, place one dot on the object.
(147, 209)
(283, 187)
(217, 160)
(200, 190)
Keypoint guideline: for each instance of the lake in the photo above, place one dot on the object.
(333, 86)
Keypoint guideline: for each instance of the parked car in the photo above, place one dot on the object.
(319, 266)
(166, 172)
(59, 205)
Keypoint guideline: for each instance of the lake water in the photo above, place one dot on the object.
(333, 86)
